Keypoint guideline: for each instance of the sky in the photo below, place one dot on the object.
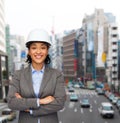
(25, 15)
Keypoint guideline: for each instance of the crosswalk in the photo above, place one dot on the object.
(82, 92)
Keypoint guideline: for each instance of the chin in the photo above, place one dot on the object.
(39, 62)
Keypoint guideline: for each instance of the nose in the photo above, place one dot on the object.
(39, 50)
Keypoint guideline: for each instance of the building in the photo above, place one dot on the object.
(59, 52)
(81, 42)
(17, 52)
(70, 56)
(112, 57)
(7, 32)
(4, 75)
(96, 43)
(119, 66)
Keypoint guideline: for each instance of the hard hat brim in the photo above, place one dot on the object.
(30, 42)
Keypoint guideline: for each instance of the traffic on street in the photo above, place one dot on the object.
(73, 112)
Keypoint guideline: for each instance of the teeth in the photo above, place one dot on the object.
(38, 56)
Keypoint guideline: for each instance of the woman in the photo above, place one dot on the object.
(37, 91)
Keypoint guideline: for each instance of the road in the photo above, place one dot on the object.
(73, 113)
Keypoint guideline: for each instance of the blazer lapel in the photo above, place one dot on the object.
(45, 80)
(29, 79)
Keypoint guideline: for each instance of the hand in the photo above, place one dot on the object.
(27, 110)
(18, 95)
(47, 100)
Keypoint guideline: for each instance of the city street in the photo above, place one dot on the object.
(74, 113)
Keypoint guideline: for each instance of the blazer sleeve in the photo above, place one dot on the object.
(58, 103)
(15, 103)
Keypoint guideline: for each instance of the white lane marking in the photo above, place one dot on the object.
(90, 110)
(71, 104)
(75, 110)
(95, 102)
(82, 110)
(62, 110)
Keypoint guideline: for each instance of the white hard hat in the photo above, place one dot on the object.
(38, 35)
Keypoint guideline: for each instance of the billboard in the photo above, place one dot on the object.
(23, 54)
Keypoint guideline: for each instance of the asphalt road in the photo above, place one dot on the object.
(74, 113)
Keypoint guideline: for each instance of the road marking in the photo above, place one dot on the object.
(60, 121)
(71, 104)
(75, 110)
(82, 121)
(91, 106)
(90, 110)
(62, 110)
(95, 102)
(82, 110)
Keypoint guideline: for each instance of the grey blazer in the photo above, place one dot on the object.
(52, 84)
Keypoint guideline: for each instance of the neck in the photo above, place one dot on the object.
(37, 66)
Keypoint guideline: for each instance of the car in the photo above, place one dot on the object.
(76, 85)
(82, 86)
(111, 97)
(107, 94)
(91, 87)
(69, 85)
(73, 97)
(97, 89)
(9, 113)
(71, 89)
(100, 92)
(106, 110)
(85, 102)
(114, 100)
(118, 103)
(3, 119)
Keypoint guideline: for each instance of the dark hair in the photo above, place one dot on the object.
(29, 60)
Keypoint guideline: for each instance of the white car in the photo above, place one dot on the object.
(85, 103)
(114, 100)
(10, 114)
(106, 110)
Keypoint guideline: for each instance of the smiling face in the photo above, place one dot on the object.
(38, 52)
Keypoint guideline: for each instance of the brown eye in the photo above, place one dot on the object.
(33, 47)
(43, 47)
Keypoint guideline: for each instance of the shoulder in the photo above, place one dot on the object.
(18, 73)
